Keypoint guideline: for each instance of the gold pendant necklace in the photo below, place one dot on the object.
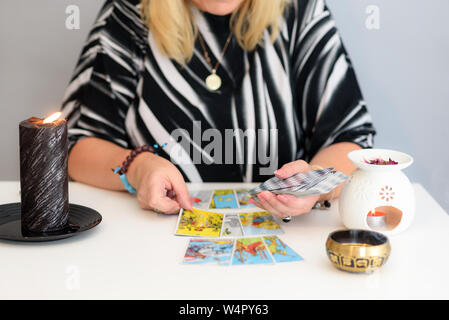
(213, 81)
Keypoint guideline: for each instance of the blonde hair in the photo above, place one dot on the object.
(173, 27)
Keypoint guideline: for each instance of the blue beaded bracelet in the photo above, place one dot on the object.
(125, 181)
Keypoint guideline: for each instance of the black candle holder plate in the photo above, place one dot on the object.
(80, 219)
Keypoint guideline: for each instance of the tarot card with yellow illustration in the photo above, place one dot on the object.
(199, 223)
(259, 223)
(224, 199)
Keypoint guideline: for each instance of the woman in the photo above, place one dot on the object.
(231, 88)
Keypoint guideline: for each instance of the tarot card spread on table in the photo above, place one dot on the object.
(232, 226)
(224, 199)
(280, 251)
(243, 197)
(241, 251)
(251, 251)
(221, 199)
(199, 223)
(201, 198)
(202, 223)
(209, 251)
(259, 223)
(262, 250)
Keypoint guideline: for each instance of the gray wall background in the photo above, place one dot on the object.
(403, 69)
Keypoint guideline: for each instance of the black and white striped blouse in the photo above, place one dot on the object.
(278, 103)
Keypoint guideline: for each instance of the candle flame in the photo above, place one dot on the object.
(53, 117)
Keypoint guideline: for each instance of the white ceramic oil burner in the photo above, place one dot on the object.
(378, 197)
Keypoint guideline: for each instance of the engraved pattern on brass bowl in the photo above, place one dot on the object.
(358, 250)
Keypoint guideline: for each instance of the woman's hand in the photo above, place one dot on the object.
(159, 184)
(285, 205)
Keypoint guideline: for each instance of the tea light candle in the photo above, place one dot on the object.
(43, 174)
(376, 218)
(376, 213)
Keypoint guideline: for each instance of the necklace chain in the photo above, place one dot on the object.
(206, 54)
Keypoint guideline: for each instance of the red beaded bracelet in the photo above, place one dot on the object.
(146, 148)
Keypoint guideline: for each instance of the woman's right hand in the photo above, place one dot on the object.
(159, 184)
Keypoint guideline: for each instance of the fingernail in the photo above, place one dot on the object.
(278, 173)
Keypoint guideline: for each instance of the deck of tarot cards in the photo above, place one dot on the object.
(303, 184)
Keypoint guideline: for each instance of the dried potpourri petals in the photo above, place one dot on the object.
(380, 161)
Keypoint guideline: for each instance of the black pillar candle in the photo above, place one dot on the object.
(43, 175)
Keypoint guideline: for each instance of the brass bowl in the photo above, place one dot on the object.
(357, 250)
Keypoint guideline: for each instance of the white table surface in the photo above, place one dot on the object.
(134, 254)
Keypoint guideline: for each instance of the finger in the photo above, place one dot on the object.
(172, 195)
(291, 168)
(161, 205)
(252, 201)
(182, 193)
(302, 205)
(257, 204)
(157, 199)
(263, 199)
(278, 207)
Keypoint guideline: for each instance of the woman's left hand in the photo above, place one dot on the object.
(285, 205)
